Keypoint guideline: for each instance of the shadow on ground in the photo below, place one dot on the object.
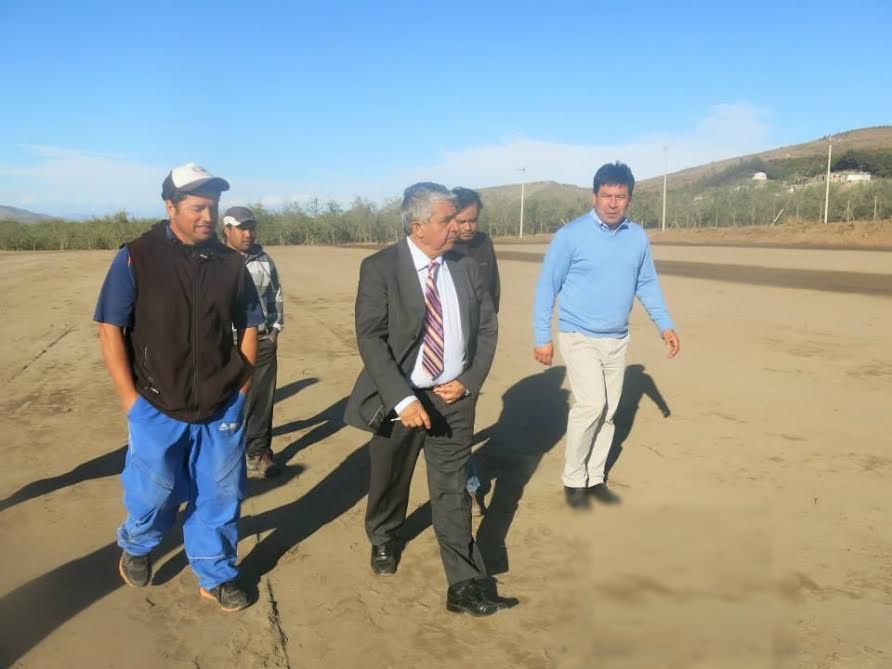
(636, 385)
(34, 610)
(532, 421)
(111, 464)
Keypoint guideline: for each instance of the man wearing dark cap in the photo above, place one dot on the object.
(471, 242)
(166, 313)
(240, 234)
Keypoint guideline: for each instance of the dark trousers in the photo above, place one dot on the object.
(447, 446)
(259, 406)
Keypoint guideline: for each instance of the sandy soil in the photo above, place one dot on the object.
(876, 235)
(856, 234)
(754, 530)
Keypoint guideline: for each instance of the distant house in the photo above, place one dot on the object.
(845, 176)
(760, 176)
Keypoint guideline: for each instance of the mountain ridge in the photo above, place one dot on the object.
(8, 213)
(863, 139)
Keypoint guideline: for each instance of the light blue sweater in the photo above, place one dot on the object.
(595, 273)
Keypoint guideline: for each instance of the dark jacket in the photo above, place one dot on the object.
(390, 315)
(480, 248)
(187, 300)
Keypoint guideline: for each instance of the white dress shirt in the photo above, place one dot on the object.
(454, 345)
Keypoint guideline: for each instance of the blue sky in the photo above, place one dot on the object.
(290, 100)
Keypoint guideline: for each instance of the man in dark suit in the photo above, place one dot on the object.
(426, 330)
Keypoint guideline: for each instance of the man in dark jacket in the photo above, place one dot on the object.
(426, 330)
(472, 242)
(166, 313)
(477, 245)
(240, 234)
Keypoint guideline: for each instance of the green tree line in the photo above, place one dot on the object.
(764, 203)
(364, 222)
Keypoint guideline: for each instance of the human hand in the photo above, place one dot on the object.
(450, 392)
(129, 400)
(273, 336)
(544, 353)
(673, 345)
(414, 416)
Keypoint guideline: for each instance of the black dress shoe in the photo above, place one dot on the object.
(472, 597)
(603, 494)
(576, 497)
(384, 558)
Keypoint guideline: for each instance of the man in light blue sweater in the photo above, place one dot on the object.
(595, 266)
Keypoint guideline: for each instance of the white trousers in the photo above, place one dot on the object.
(595, 368)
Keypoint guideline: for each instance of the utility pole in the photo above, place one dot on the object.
(827, 191)
(665, 171)
(523, 179)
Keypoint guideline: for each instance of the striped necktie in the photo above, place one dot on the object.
(432, 348)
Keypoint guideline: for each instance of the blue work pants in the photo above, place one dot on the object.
(170, 462)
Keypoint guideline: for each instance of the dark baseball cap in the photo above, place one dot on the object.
(191, 178)
(236, 216)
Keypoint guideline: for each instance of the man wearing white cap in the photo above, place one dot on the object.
(166, 312)
(240, 234)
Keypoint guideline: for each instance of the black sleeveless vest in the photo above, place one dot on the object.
(187, 300)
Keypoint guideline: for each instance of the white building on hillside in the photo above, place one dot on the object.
(845, 176)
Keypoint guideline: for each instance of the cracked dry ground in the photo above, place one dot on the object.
(754, 531)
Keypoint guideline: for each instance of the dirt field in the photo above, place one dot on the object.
(875, 235)
(754, 531)
(855, 234)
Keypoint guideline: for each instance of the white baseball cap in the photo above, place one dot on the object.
(190, 178)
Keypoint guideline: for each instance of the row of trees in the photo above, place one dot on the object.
(364, 222)
(760, 203)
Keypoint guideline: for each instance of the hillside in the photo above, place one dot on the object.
(21, 215)
(863, 140)
(719, 195)
(723, 193)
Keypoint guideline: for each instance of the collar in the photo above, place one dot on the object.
(604, 226)
(419, 259)
(255, 252)
(213, 243)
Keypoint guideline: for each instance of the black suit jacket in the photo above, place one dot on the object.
(390, 325)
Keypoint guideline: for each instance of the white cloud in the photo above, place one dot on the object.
(728, 130)
(70, 182)
(66, 181)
